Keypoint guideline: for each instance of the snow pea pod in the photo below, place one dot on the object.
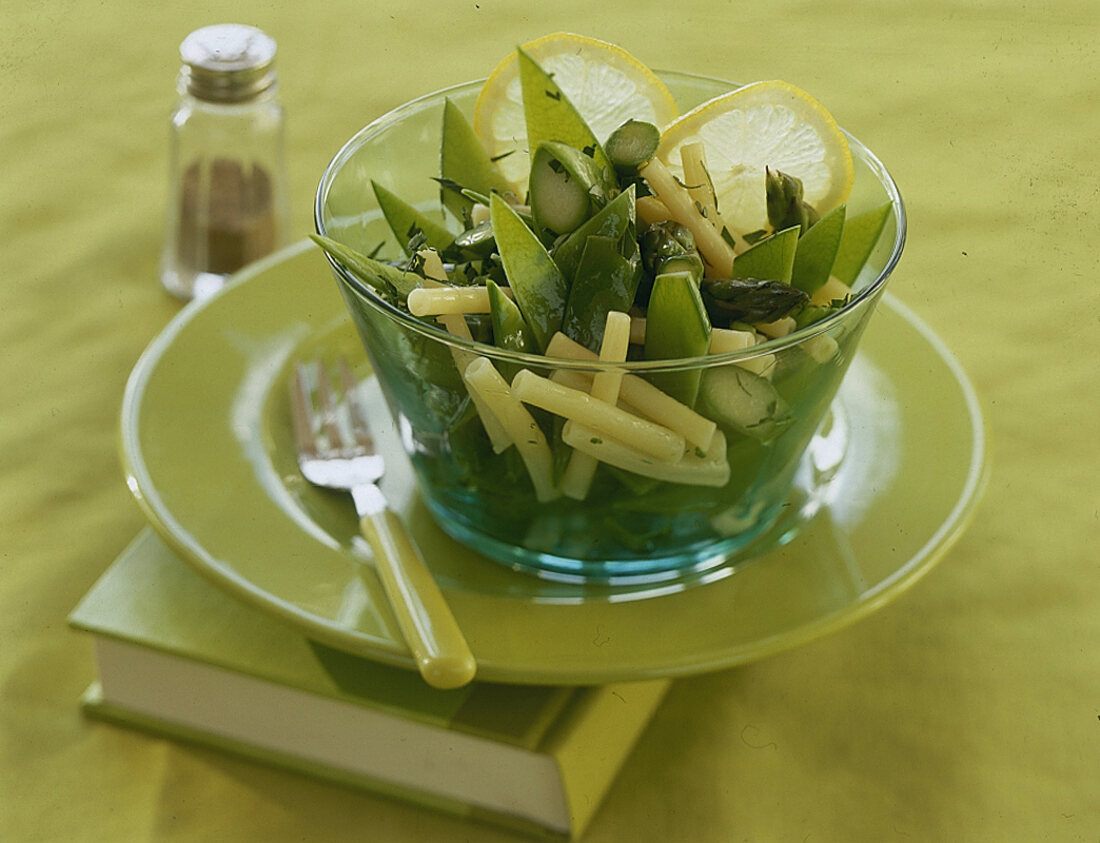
(614, 220)
(816, 252)
(405, 221)
(464, 163)
(566, 187)
(476, 243)
(604, 281)
(677, 326)
(538, 285)
(549, 115)
(510, 329)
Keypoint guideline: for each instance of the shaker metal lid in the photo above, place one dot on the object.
(228, 62)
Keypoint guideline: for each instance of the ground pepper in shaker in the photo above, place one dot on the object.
(227, 195)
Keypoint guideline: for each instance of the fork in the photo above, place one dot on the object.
(343, 457)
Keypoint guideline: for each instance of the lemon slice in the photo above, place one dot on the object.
(763, 125)
(606, 84)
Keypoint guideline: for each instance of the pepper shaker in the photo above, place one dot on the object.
(228, 202)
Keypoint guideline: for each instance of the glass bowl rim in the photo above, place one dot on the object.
(414, 106)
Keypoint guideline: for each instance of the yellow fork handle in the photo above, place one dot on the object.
(441, 652)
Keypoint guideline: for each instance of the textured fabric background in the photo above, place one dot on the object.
(967, 710)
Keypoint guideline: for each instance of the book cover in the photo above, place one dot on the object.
(180, 657)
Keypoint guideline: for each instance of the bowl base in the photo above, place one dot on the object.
(750, 534)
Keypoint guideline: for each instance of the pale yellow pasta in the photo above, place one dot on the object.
(573, 379)
(821, 348)
(479, 213)
(483, 379)
(433, 267)
(778, 328)
(697, 178)
(640, 395)
(728, 339)
(562, 346)
(832, 289)
(736, 519)
(637, 330)
(435, 277)
(763, 365)
(581, 468)
(445, 300)
(613, 348)
(716, 253)
(650, 210)
(654, 440)
(710, 469)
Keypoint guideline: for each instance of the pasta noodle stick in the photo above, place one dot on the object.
(717, 254)
(699, 186)
(640, 395)
(455, 323)
(483, 378)
(655, 441)
(578, 475)
(832, 289)
(572, 379)
(439, 301)
(710, 469)
(726, 339)
(651, 210)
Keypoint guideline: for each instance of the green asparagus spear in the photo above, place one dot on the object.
(749, 300)
(670, 247)
(785, 204)
(631, 145)
(391, 283)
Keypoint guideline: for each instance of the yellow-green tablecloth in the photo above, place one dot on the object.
(967, 710)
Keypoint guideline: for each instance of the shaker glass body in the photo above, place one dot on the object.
(227, 202)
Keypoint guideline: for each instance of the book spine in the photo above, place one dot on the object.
(592, 743)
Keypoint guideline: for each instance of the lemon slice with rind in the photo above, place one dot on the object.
(606, 85)
(763, 125)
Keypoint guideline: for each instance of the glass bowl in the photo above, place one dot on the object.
(629, 525)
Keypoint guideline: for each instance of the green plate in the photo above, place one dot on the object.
(207, 448)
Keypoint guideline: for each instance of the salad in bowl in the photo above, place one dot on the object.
(608, 307)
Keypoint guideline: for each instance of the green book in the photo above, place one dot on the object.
(178, 656)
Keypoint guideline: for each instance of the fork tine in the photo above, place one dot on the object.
(300, 412)
(328, 410)
(356, 413)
